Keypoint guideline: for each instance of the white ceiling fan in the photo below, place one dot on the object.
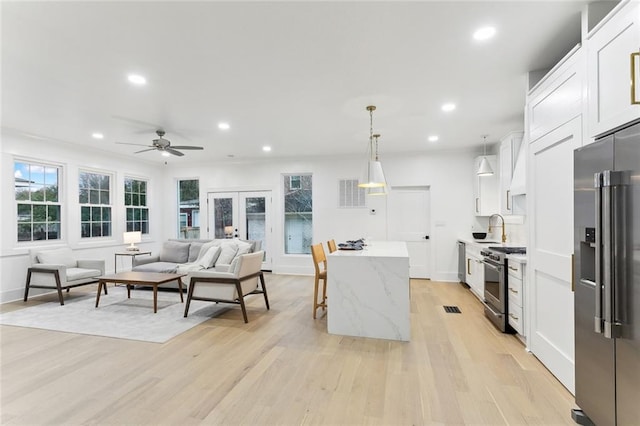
(162, 144)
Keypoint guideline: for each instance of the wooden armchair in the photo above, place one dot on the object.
(57, 269)
(229, 287)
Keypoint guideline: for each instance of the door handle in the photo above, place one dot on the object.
(508, 197)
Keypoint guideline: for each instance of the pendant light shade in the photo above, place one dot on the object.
(485, 168)
(374, 178)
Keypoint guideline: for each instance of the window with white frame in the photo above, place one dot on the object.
(95, 204)
(135, 201)
(298, 214)
(37, 195)
(189, 208)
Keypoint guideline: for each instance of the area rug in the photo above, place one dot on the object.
(117, 316)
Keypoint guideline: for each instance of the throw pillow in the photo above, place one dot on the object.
(61, 256)
(175, 252)
(227, 253)
(244, 248)
(234, 269)
(206, 246)
(194, 251)
(209, 258)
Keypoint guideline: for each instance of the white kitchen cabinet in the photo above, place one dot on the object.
(485, 189)
(611, 47)
(475, 270)
(515, 286)
(549, 299)
(509, 149)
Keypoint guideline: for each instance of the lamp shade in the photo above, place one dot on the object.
(485, 168)
(228, 231)
(375, 176)
(132, 238)
(381, 190)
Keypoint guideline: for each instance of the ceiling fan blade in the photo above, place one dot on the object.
(174, 152)
(138, 144)
(145, 150)
(186, 147)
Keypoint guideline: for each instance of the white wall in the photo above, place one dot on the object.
(14, 259)
(449, 176)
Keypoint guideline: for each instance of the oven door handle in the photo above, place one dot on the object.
(497, 268)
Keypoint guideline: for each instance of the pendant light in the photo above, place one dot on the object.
(374, 179)
(485, 168)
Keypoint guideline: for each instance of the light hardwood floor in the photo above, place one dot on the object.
(283, 368)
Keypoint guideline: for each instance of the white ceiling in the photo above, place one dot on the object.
(293, 75)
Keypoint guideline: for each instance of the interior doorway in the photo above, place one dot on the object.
(409, 220)
(245, 215)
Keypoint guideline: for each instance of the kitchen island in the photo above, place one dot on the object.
(368, 291)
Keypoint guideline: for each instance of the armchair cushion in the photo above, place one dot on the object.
(75, 274)
(61, 256)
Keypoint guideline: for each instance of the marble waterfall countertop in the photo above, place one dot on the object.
(368, 291)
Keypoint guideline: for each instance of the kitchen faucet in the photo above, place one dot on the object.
(504, 235)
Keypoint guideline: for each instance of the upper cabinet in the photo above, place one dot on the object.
(613, 60)
(485, 189)
(509, 150)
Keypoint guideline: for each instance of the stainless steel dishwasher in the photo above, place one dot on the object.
(462, 270)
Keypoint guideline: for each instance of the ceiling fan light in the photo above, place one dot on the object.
(485, 168)
(165, 154)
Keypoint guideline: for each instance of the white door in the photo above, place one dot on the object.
(408, 219)
(245, 215)
(549, 294)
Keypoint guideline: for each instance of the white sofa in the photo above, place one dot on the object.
(184, 256)
(58, 269)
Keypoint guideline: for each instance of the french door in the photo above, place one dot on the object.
(245, 215)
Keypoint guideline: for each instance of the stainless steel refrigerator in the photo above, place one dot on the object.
(607, 279)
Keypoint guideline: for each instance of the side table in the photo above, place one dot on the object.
(132, 254)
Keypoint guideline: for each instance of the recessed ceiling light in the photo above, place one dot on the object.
(224, 126)
(448, 107)
(266, 148)
(97, 135)
(484, 33)
(165, 154)
(433, 138)
(137, 79)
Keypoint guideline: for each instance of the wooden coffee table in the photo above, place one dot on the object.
(131, 278)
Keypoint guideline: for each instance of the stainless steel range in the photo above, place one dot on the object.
(495, 284)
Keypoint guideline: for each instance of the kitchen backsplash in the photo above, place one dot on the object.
(515, 228)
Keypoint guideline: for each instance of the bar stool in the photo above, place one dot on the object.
(319, 258)
(332, 246)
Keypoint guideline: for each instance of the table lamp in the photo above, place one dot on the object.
(132, 238)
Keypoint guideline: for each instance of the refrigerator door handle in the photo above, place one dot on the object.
(597, 319)
(613, 217)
